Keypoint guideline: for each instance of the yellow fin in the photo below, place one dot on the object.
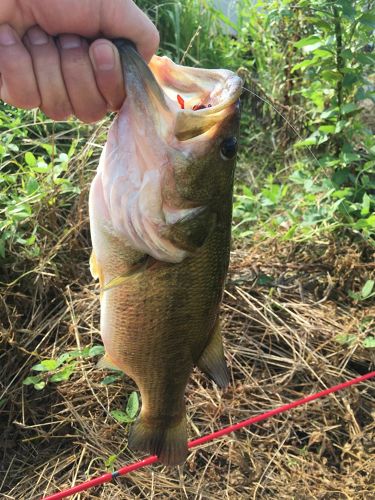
(94, 268)
(106, 362)
(113, 283)
(140, 266)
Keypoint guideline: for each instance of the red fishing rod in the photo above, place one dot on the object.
(106, 478)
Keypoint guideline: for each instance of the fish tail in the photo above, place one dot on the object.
(167, 441)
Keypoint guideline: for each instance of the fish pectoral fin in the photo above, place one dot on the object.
(107, 362)
(190, 232)
(136, 268)
(212, 360)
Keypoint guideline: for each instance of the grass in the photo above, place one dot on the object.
(291, 328)
(285, 315)
(298, 316)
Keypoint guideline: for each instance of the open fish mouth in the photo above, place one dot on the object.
(200, 99)
(177, 102)
(195, 89)
(160, 148)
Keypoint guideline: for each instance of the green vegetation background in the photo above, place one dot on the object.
(307, 161)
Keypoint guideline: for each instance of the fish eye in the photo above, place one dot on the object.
(228, 148)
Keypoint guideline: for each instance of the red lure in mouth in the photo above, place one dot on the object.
(196, 107)
(181, 101)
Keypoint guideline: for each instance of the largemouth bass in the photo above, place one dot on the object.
(160, 215)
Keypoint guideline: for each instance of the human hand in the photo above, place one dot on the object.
(46, 61)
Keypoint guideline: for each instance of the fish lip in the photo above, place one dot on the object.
(203, 82)
(218, 90)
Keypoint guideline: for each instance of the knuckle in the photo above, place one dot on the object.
(91, 116)
(56, 114)
(20, 99)
(19, 102)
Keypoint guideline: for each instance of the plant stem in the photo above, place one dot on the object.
(340, 65)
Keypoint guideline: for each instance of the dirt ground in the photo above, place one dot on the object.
(284, 307)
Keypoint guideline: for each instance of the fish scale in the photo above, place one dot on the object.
(162, 282)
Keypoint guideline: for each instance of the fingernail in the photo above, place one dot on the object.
(37, 36)
(104, 57)
(70, 41)
(7, 36)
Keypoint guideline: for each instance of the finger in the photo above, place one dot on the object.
(122, 18)
(87, 102)
(47, 68)
(111, 18)
(108, 72)
(18, 83)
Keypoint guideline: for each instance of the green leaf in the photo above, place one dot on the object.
(132, 406)
(307, 41)
(349, 80)
(367, 289)
(46, 365)
(348, 158)
(96, 350)
(329, 113)
(369, 342)
(328, 129)
(304, 64)
(49, 148)
(340, 125)
(40, 385)
(32, 380)
(121, 417)
(110, 461)
(349, 108)
(366, 201)
(30, 159)
(346, 338)
(32, 186)
(322, 53)
(368, 19)
(109, 379)
(63, 374)
(330, 75)
(67, 356)
(348, 9)
(364, 58)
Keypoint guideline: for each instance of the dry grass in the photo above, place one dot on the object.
(280, 344)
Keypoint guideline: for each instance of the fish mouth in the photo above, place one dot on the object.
(200, 99)
(156, 152)
(175, 102)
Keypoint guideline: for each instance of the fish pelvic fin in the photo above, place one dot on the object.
(167, 441)
(212, 361)
(107, 362)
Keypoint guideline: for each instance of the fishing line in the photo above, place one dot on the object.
(109, 476)
(266, 101)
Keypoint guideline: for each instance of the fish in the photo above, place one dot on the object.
(160, 209)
